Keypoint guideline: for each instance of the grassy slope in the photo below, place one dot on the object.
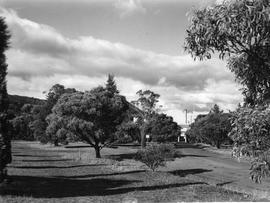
(45, 176)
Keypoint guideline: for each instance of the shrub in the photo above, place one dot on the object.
(250, 133)
(260, 167)
(156, 155)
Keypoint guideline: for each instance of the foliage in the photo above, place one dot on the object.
(147, 103)
(128, 131)
(39, 112)
(55, 92)
(23, 117)
(92, 116)
(111, 85)
(20, 117)
(162, 128)
(250, 133)
(5, 144)
(156, 155)
(212, 128)
(38, 124)
(239, 31)
(56, 131)
(20, 124)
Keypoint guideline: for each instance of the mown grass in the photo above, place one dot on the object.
(45, 176)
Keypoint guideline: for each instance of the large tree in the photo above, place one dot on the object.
(162, 128)
(239, 31)
(212, 128)
(5, 144)
(92, 116)
(40, 112)
(147, 103)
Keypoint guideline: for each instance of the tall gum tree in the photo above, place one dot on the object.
(239, 31)
(147, 103)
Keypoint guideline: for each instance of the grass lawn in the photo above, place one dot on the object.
(57, 175)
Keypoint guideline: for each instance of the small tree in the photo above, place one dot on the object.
(92, 116)
(239, 31)
(147, 103)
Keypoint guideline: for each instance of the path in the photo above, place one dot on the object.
(218, 169)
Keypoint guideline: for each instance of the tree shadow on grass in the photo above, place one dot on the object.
(121, 157)
(150, 188)
(105, 174)
(189, 155)
(49, 166)
(43, 187)
(187, 145)
(224, 183)
(77, 146)
(183, 173)
(46, 160)
(38, 156)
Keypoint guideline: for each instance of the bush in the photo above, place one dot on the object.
(250, 133)
(260, 167)
(156, 155)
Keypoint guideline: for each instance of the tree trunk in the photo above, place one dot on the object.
(97, 149)
(218, 144)
(143, 142)
(56, 143)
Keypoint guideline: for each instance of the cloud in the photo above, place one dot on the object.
(48, 52)
(129, 7)
(41, 56)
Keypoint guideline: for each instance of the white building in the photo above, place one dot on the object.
(183, 135)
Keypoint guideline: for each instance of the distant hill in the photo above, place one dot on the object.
(16, 102)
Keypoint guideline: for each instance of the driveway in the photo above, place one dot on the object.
(217, 169)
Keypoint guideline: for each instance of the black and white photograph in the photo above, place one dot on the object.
(131, 101)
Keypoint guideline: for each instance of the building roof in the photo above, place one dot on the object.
(184, 126)
(135, 109)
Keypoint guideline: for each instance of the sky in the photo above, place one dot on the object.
(78, 43)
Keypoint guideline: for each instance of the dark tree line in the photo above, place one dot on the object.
(98, 117)
(5, 144)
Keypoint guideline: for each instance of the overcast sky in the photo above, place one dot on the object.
(77, 43)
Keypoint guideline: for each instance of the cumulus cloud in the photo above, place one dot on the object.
(129, 7)
(49, 52)
(218, 2)
(41, 56)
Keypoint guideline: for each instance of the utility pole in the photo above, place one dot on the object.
(186, 115)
